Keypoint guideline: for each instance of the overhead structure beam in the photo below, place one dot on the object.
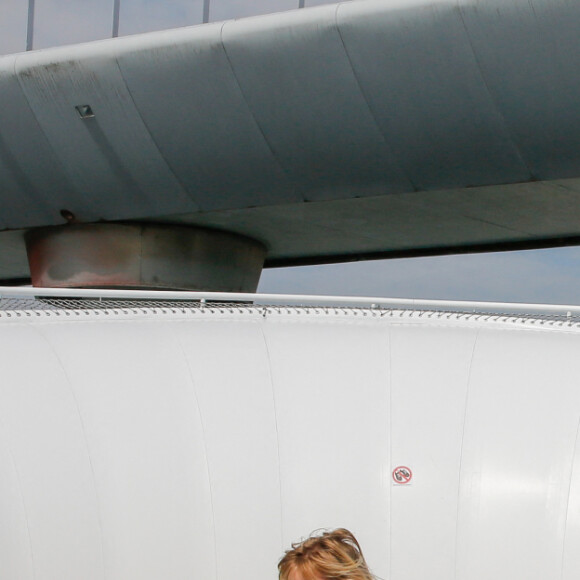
(338, 132)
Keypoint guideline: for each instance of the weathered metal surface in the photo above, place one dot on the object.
(344, 130)
(143, 256)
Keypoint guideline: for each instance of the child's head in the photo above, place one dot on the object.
(325, 556)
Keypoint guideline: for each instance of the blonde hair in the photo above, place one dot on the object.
(334, 554)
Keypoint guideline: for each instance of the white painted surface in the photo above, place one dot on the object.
(429, 374)
(331, 390)
(197, 444)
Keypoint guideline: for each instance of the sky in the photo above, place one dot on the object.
(550, 276)
(59, 22)
(542, 276)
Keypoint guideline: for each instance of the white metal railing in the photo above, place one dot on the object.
(30, 293)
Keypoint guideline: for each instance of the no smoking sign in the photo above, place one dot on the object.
(402, 475)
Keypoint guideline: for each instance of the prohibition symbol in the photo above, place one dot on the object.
(402, 475)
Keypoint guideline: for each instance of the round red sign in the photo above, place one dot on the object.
(402, 475)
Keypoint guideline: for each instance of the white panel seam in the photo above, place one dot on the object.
(3, 428)
(86, 441)
(390, 435)
(271, 375)
(461, 449)
(574, 454)
(192, 380)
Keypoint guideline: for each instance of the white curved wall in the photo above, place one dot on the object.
(197, 445)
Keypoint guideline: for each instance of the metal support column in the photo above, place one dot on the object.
(116, 11)
(30, 26)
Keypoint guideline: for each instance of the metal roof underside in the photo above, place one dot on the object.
(364, 129)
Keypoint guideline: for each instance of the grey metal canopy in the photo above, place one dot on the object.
(352, 130)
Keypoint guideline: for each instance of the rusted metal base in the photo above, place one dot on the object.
(143, 256)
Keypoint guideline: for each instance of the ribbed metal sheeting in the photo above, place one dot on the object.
(199, 442)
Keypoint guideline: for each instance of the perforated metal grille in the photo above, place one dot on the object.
(19, 306)
(45, 303)
(24, 304)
